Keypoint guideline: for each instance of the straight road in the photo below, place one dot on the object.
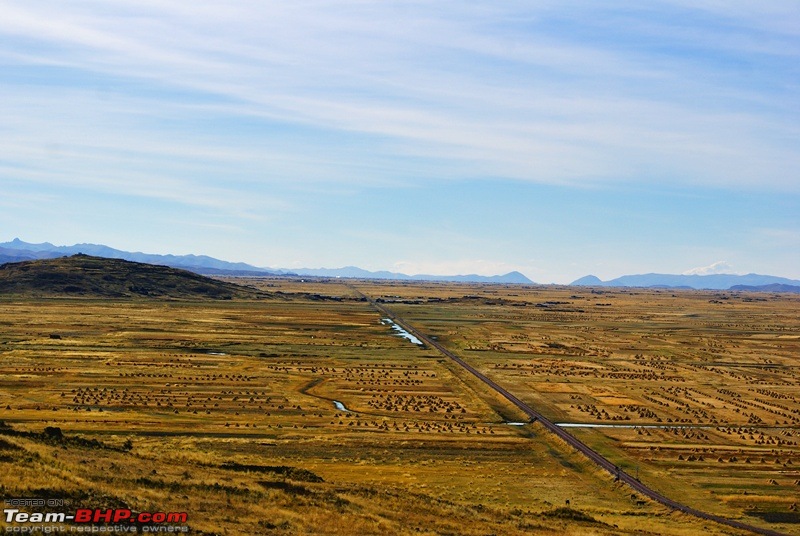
(578, 445)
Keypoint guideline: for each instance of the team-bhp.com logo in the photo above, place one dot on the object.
(118, 520)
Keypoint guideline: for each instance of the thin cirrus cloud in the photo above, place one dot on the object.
(289, 111)
(495, 88)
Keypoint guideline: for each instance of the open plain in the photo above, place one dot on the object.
(303, 412)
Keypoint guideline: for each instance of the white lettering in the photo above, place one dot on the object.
(10, 514)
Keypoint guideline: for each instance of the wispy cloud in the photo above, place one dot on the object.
(492, 87)
(241, 109)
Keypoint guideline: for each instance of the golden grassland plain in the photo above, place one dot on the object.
(304, 413)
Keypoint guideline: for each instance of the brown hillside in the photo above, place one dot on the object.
(87, 276)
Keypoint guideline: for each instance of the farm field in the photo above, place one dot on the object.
(305, 413)
(694, 391)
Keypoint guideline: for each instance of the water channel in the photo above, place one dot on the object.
(401, 332)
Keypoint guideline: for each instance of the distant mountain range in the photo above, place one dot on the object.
(752, 282)
(17, 250)
(355, 272)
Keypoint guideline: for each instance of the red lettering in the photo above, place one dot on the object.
(86, 515)
(177, 517)
(121, 515)
(103, 516)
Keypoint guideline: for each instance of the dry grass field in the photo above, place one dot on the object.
(304, 413)
(695, 391)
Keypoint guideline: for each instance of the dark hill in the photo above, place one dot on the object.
(86, 276)
(774, 287)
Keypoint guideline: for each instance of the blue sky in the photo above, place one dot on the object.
(554, 138)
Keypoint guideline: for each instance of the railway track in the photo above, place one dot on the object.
(577, 444)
